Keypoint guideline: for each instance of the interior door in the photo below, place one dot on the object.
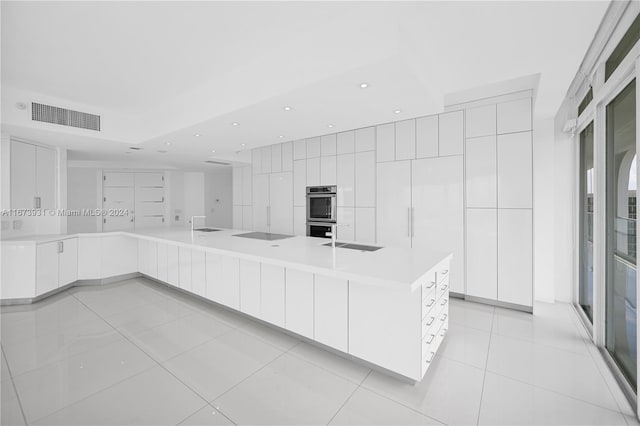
(393, 222)
(260, 203)
(281, 202)
(437, 196)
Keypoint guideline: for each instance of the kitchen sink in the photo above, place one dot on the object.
(352, 246)
(267, 236)
(207, 229)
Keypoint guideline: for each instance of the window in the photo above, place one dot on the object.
(585, 291)
(621, 317)
(585, 103)
(623, 48)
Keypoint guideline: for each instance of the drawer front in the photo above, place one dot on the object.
(428, 286)
(429, 304)
(442, 287)
(428, 322)
(442, 274)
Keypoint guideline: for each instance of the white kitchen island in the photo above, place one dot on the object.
(388, 307)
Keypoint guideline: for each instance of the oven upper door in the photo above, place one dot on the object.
(321, 207)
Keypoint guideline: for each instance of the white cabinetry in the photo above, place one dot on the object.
(427, 136)
(163, 264)
(480, 121)
(299, 182)
(328, 170)
(250, 287)
(365, 219)
(261, 203)
(515, 187)
(331, 311)
(313, 171)
(198, 273)
(515, 265)
(482, 253)
(386, 142)
(56, 264)
(148, 258)
(173, 265)
(287, 157)
(313, 147)
(184, 259)
(481, 179)
(514, 116)
(438, 206)
(272, 294)
(299, 302)
(365, 179)
(346, 142)
(393, 222)
(451, 133)
(119, 255)
(33, 176)
(345, 180)
(280, 211)
(299, 149)
(328, 145)
(276, 158)
(365, 139)
(227, 292)
(405, 140)
(18, 271)
(213, 273)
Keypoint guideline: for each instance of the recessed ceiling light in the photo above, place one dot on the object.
(196, 134)
(397, 111)
(287, 108)
(168, 143)
(281, 136)
(235, 123)
(364, 85)
(329, 125)
(242, 144)
(213, 150)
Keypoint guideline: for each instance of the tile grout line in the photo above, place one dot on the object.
(486, 363)
(15, 389)
(348, 398)
(157, 364)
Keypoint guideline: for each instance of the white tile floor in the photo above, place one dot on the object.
(138, 353)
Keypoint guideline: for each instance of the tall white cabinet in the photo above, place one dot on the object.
(33, 176)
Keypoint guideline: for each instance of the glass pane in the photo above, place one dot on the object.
(319, 207)
(586, 221)
(625, 45)
(585, 102)
(621, 231)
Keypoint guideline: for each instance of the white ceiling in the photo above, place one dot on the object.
(159, 72)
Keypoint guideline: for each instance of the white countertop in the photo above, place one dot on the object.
(389, 266)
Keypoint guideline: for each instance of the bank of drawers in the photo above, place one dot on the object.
(435, 315)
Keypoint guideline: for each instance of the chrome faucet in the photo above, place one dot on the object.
(333, 233)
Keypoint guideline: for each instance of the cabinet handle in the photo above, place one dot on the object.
(60, 247)
(430, 320)
(412, 229)
(430, 304)
(431, 355)
(443, 332)
(432, 336)
(444, 317)
(408, 221)
(431, 284)
(444, 302)
(445, 272)
(37, 202)
(444, 287)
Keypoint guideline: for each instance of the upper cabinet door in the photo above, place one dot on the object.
(300, 183)
(246, 186)
(393, 218)
(365, 179)
(365, 139)
(515, 187)
(346, 142)
(328, 170)
(406, 140)
(281, 202)
(150, 179)
(328, 145)
(437, 216)
(427, 137)
(46, 177)
(287, 156)
(112, 179)
(313, 147)
(386, 142)
(481, 177)
(256, 160)
(299, 149)
(260, 203)
(451, 128)
(276, 158)
(23, 175)
(480, 121)
(313, 172)
(345, 180)
(265, 153)
(514, 116)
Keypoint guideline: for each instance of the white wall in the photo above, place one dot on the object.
(543, 219)
(218, 198)
(193, 192)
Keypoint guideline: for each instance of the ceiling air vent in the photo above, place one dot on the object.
(64, 117)
(218, 163)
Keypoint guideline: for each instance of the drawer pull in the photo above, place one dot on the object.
(431, 355)
(444, 287)
(431, 284)
(444, 302)
(445, 272)
(430, 320)
(443, 332)
(444, 317)
(430, 303)
(430, 339)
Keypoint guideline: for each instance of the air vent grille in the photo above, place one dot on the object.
(219, 163)
(64, 117)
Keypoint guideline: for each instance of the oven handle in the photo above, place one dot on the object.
(334, 208)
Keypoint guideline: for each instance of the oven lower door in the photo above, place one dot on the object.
(321, 208)
(318, 229)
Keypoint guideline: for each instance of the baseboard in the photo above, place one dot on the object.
(499, 304)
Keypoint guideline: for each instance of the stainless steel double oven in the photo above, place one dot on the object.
(322, 210)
